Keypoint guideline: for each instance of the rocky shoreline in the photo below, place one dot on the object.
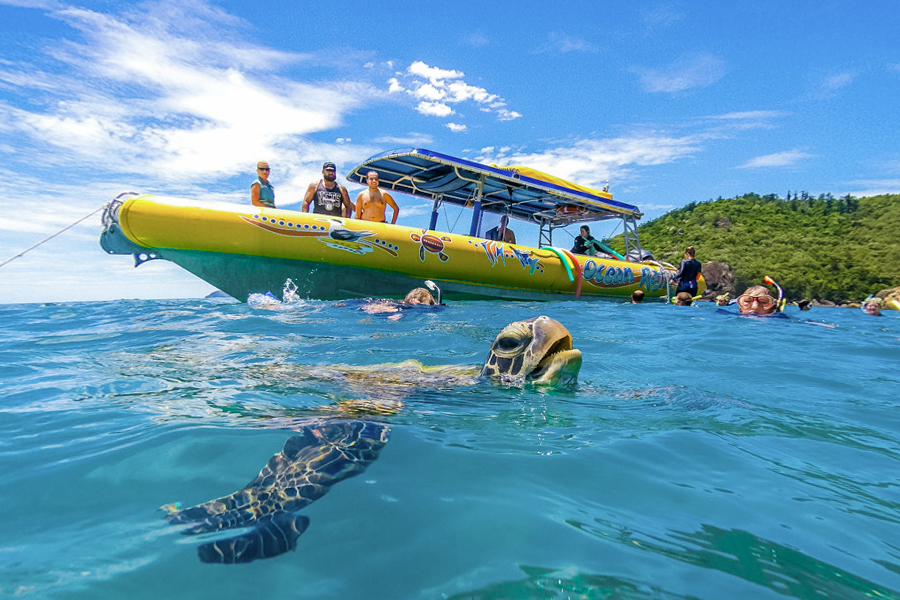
(719, 278)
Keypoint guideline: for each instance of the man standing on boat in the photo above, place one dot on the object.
(371, 203)
(501, 233)
(262, 193)
(330, 197)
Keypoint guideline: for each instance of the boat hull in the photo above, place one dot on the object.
(244, 250)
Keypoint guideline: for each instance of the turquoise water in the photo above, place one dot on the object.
(700, 456)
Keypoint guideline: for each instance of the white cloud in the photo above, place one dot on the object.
(477, 40)
(744, 120)
(433, 74)
(778, 159)
(562, 42)
(394, 86)
(507, 115)
(873, 187)
(750, 115)
(430, 93)
(173, 105)
(591, 162)
(455, 127)
(660, 17)
(437, 89)
(434, 109)
(837, 81)
(413, 139)
(686, 73)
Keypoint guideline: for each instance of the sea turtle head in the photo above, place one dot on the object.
(535, 351)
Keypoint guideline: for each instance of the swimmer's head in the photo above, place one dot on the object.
(419, 296)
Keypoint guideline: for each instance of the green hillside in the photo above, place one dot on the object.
(837, 249)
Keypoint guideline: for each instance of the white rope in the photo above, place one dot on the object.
(20, 254)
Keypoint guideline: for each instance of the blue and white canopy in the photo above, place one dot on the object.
(519, 192)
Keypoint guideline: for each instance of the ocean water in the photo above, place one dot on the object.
(701, 455)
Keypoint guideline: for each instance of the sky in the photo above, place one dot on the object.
(671, 102)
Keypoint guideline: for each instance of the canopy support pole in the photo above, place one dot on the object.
(434, 212)
(476, 213)
(630, 236)
(545, 235)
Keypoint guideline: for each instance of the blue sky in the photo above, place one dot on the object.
(672, 102)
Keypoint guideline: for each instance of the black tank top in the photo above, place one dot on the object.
(328, 202)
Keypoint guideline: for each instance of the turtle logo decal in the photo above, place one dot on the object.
(431, 243)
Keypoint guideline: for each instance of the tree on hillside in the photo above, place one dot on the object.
(816, 247)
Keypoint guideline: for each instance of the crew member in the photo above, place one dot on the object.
(371, 203)
(327, 195)
(262, 193)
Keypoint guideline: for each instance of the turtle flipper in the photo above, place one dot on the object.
(321, 455)
(273, 535)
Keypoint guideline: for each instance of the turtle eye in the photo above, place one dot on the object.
(509, 343)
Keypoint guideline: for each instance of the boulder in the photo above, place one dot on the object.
(889, 297)
(719, 278)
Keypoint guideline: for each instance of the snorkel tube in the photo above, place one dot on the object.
(434, 288)
(779, 304)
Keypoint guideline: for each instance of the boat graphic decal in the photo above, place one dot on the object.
(528, 261)
(497, 254)
(332, 233)
(494, 252)
(289, 228)
(431, 244)
(652, 280)
(608, 276)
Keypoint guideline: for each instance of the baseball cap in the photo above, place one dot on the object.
(329, 165)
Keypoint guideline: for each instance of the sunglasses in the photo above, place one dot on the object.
(263, 169)
(764, 301)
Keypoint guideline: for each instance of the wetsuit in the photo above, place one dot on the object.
(584, 245)
(687, 276)
(328, 202)
(266, 193)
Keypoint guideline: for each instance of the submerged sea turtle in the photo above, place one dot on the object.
(537, 351)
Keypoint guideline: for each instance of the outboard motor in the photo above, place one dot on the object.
(639, 255)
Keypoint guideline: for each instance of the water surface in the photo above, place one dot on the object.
(700, 456)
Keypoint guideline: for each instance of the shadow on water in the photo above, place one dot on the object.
(746, 556)
(546, 584)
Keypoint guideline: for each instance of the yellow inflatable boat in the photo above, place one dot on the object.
(246, 249)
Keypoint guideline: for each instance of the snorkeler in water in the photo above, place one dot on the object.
(417, 297)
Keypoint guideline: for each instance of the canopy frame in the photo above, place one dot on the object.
(489, 189)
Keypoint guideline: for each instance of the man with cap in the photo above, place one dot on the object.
(262, 193)
(328, 196)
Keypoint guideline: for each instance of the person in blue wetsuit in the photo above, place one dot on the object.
(687, 274)
(262, 193)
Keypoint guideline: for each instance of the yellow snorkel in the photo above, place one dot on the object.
(779, 304)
